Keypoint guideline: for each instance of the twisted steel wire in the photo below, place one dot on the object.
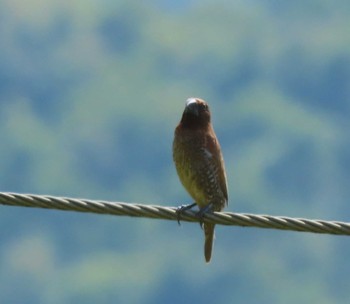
(169, 213)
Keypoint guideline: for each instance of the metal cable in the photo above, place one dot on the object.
(169, 213)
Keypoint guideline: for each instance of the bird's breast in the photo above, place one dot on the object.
(194, 167)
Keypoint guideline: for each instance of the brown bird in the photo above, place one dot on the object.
(200, 165)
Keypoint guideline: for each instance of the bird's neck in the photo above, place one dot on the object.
(194, 122)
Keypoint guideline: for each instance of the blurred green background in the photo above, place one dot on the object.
(90, 94)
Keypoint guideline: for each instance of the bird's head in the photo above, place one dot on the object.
(196, 113)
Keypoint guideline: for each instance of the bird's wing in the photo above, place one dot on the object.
(215, 160)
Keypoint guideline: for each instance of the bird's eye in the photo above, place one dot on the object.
(204, 106)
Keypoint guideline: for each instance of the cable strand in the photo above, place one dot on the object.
(169, 213)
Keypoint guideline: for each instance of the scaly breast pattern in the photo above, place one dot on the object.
(198, 169)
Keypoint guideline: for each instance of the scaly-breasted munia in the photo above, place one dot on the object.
(200, 165)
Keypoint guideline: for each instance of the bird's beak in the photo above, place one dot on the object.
(191, 106)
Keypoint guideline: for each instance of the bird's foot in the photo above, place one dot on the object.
(202, 211)
(181, 209)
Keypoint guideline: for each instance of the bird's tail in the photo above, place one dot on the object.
(209, 239)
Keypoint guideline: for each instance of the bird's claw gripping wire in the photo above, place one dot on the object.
(181, 209)
(202, 211)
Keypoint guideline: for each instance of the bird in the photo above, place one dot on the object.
(200, 165)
